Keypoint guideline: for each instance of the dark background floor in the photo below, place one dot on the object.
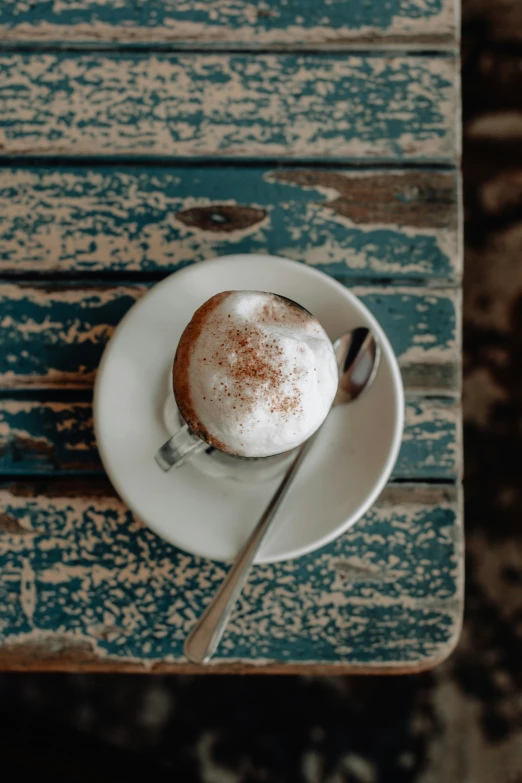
(460, 723)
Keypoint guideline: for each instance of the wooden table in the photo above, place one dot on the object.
(140, 137)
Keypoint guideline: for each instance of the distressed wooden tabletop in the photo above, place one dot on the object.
(138, 138)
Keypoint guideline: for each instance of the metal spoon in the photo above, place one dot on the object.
(358, 355)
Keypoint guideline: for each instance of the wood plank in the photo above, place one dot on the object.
(296, 23)
(85, 585)
(53, 336)
(58, 438)
(327, 107)
(380, 224)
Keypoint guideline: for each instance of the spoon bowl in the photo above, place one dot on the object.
(358, 356)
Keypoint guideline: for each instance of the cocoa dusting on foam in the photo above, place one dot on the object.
(258, 371)
(246, 373)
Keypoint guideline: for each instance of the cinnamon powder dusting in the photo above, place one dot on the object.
(255, 365)
(253, 358)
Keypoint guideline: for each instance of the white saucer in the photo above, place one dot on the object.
(345, 472)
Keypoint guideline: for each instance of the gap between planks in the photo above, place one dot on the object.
(29, 161)
(363, 47)
(99, 278)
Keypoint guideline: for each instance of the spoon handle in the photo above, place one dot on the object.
(204, 638)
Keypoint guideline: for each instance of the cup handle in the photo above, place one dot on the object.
(178, 449)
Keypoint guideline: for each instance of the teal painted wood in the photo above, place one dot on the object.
(83, 583)
(55, 335)
(236, 22)
(322, 107)
(58, 438)
(121, 219)
(79, 570)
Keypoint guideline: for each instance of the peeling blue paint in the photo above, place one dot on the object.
(58, 439)
(272, 15)
(50, 331)
(135, 213)
(330, 107)
(134, 596)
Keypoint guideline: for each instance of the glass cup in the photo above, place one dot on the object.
(186, 444)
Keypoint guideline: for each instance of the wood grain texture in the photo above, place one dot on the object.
(54, 336)
(235, 22)
(80, 573)
(328, 107)
(387, 224)
(57, 438)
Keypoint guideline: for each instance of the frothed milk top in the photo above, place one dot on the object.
(254, 373)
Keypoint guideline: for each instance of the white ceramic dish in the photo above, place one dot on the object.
(208, 516)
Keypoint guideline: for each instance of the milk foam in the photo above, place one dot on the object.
(261, 373)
